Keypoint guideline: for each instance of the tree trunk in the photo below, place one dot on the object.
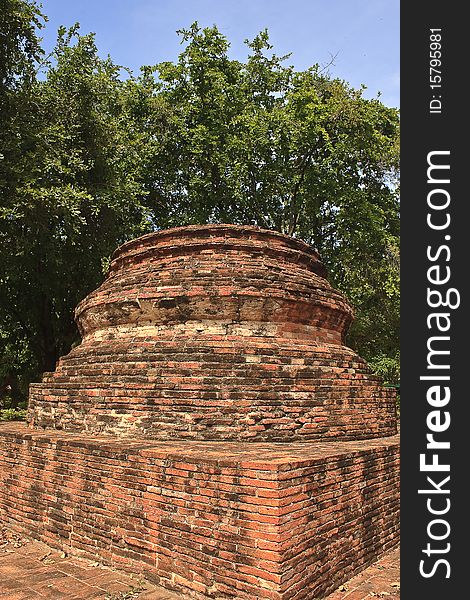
(49, 347)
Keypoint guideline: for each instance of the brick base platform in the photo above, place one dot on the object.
(207, 519)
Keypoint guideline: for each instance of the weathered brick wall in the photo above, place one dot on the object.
(196, 386)
(215, 332)
(223, 272)
(276, 521)
(221, 333)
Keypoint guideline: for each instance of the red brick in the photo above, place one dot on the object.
(155, 443)
(186, 317)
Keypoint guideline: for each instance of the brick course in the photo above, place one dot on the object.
(215, 332)
(211, 429)
(277, 521)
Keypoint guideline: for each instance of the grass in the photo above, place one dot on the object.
(12, 414)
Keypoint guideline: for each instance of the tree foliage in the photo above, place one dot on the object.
(68, 199)
(20, 52)
(299, 152)
(92, 158)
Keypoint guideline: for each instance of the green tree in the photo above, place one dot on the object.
(20, 55)
(73, 200)
(299, 152)
(91, 159)
(20, 48)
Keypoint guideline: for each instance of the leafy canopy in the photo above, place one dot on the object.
(300, 152)
(91, 158)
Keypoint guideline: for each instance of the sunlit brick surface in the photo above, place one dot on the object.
(211, 429)
(253, 521)
(215, 332)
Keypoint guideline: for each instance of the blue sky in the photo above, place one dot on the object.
(362, 35)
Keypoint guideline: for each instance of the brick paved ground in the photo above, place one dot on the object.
(30, 569)
(381, 580)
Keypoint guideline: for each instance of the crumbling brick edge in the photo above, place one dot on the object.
(207, 519)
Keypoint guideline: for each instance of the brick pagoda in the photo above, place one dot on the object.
(211, 430)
